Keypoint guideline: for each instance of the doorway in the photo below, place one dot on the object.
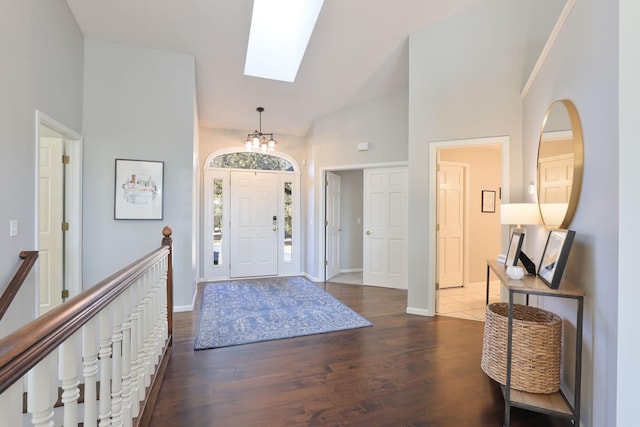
(251, 217)
(365, 227)
(466, 234)
(58, 219)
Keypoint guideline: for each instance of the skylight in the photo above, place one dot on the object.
(280, 32)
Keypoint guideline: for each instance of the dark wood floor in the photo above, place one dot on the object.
(404, 371)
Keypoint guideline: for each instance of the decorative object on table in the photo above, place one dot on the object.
(515, 272)
(554, 256)
(515, 246)
(139, 189)
(536, 344)
(246, 311)
(521, 214)
(488, 201)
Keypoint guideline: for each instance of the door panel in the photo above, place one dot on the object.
(385, 224)
(451, 225)
(51, 216)
(253, 245)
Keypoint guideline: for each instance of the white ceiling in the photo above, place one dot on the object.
(358, 52)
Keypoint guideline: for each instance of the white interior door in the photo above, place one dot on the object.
(385, 224)
(451, 179)
(253, 224)
(51, 217)
(556, 178)
(333, 225)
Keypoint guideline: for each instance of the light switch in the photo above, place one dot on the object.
(13, 228)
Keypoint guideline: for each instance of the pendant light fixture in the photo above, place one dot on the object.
(258, 141)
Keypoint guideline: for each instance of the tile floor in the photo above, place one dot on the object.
(467, 302)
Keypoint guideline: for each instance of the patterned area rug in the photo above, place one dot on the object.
(245, 311)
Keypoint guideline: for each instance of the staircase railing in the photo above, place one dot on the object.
(117, 334)
(28, 260)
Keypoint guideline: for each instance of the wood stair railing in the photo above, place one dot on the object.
(28, 260)
(118, 332)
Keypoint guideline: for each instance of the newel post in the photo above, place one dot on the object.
(168, 241)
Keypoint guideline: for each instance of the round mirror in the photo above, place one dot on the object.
(560, 163)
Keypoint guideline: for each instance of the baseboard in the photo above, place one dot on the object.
(419, 311)
(351, 270)
(181, 308)
(313, 279)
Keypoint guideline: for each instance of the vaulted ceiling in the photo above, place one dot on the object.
(358, 52)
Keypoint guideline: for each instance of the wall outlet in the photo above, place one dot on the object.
(13, 228)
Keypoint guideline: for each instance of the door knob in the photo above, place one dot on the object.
(368, 232)
(275, 228)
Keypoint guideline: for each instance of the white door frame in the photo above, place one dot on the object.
(285, 268)
(432, 220)
(321, 212)
(73, 202)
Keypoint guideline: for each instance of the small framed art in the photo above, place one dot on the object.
(554, 257)
(515, 245)
(488, 201)
(139, 186)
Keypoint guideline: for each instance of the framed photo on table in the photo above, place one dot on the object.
(139, 186)
(515, 246)
(554, 257)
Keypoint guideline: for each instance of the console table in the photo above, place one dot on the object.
(555, 403)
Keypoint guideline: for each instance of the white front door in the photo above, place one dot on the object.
(51, 217)
(333, 226)
(385, 225)
(254, 224)
(451, 178)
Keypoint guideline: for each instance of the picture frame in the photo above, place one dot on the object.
(515, 246)
(138, 189)
(554, 256)
(488, 201)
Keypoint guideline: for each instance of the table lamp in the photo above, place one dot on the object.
(521, 214)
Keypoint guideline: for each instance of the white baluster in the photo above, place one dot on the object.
(116, 357)
(68, 375)
(11, 405)
(90, 333)
(148, 343)
(142, 290)
(105, 367)
(42, 392)
(126, 358)
(155, 316)
(135, 321)
(163, 298)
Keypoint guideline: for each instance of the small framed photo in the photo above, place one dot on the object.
(488, 201)
(515, 245)
(554, 257)
(138, 189)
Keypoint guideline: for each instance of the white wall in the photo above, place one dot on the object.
(628, 367)
(583, 67)
(41, 48)
(138, 104)
(332, 144)
(465, 77)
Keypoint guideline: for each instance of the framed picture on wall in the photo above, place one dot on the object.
(138, 189)
(488, 201)
(554, 257)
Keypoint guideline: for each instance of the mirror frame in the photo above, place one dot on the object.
(578, 162)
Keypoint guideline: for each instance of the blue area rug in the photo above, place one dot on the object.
(246, 311)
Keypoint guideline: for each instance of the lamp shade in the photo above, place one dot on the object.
(519, 213)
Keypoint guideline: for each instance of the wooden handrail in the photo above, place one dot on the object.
(28, 260)
(24, 348)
